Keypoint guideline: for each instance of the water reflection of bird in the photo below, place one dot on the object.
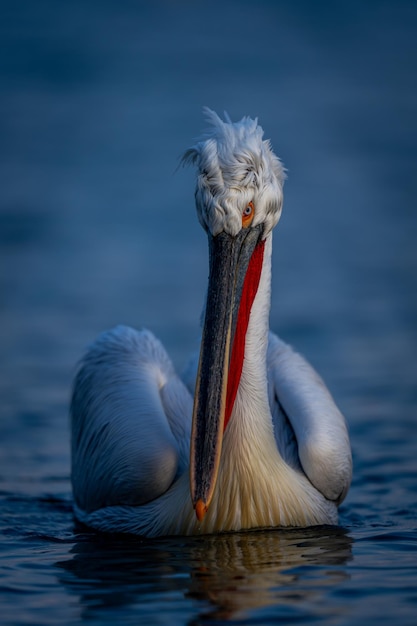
(224, 576)
(268, 445)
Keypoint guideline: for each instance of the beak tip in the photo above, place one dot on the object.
(200, 510)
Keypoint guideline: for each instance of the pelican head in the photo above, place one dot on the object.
(236, 167)
(239, 197)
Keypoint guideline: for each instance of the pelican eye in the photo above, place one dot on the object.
(248, 215)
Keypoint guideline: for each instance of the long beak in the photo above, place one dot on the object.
(229, 261)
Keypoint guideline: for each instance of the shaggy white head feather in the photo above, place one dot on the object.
(235, 167)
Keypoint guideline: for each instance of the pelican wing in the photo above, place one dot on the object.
(130, 419)
(315, 428)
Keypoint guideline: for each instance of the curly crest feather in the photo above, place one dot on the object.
(235, 166)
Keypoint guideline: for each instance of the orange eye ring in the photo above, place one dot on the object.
(248, 215)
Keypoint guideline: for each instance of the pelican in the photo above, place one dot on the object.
(250, 437)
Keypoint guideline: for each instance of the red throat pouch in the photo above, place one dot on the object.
(249, 291)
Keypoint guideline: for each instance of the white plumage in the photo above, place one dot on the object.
(284, 457)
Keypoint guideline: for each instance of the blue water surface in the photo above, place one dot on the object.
(97, 227)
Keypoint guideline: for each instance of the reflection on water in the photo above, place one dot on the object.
(229, 575)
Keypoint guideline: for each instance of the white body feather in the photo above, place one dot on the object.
(286, 457)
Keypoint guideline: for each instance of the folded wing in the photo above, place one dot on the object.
(130, 421)
(307, 421)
